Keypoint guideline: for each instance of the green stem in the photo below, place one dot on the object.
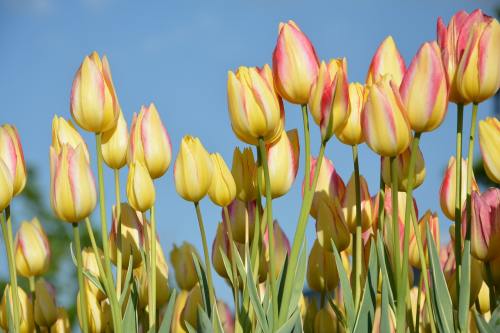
(31, 281)
(491, 286)
(207, 255)
(79, 265)
(358, 241)
(381, 204)
(458, 197)
(152, 281)
(307, 143)
(233, 265)
(400, 305)
(119, 258)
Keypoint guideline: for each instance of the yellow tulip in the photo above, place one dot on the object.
(180, 302)
(97, 313)
(311, 308)
(403, 166)
(222, 190)
(483, 299)
(140, 188)
(114, 144)
(489, 143)
(64, 132)
(431, 221)
(27, 324)
(349, 205)
(45, 304)
(184, 267)
(377, 321)
(189, 313)
(322, 275)
(244, 170)
(350, 133)
(11, 152)
(6, 184)
(331, 225)
(242, 219)
(281, 247)
(89, 261)
(326, 321)
(221, 244)
(386, 60)
(62, 324)
(32, 249)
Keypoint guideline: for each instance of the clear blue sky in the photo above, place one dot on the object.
(177, 54)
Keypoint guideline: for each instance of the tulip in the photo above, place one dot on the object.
(386, 60)
(424, 90)
(221, 245)
(308, 319)
(89, 262)
(185, 270)
(495, 272)
(32, 249)
(222, 190)
(149, 142)
(189, 314)
(329, 186)
(489, 134)
(377, 321)
(431, 221)
(114, 144)
(326, 321)
(485, 224)
(180, 302)
(193, 170)
(226, 317)
(322, 275)
(331, 225)
(64, 132)
(26, 323)
(62, 324)
(73, 193)
(350, 133)
(283, 163)
(140, 188)
(97, 313)
(295, 64)
(242, 219)
(418, 305)
(448, 188)
(244, 170)
(255, 109)
(132, 230)
(478, 72)
(349, 205)
(403, 166)
(45, 304)
(329, 100)
(6, 184)
(93, 101)
(483, 299)
(383, 119)
(281, 247)
(11, 152)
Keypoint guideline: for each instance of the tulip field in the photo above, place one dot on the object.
(378, 262)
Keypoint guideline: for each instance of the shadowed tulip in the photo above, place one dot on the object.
(26, 322)
(377, 321)
(386, 60)
(180, 302)
(6, 184)
(64, 132)
(89, 261)
(45, 303)
(349, 205)
(431, 220)
(244, 171)
(32, 249)
(140, 188)
(226, 317)
(62, 324)
(331, 225)
(115, 144)
(322, 275)
(242, 219)
(403, 166)
(222, 190)
(98, 313)
(184, 268)
(350, 133)
(281, 247)
(11, 152)
(489, 143)
(189, 314)
(326, 321)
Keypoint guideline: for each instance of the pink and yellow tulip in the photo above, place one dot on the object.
(489, 143)
(11, 152)
(386, 60)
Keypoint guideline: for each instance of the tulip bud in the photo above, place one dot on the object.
(448, 188)
(93, 101)
(180, 302)
(424, 90)
(295, 64)
(62, 324)
(478, 73)
(386, 60)
(140, 188)
(310, 315)
(349, 204)
(45, 304)
(326, 321)
(244, 170)
(377, 321)
(190, 311)
(383, 119)
(114, 144)
(222, 190)
(193, 170)
(431, 220)
(331, 225)
(350, 133)
(221, 244)
(242, 219)
(281, 247)
(11, 152)
(185, 270)
(89, 261)
(329, 100)
(132, 231)
(32, 249)
(26, 323)
(483, 299)
(6, 184)
(226, 317)
(489, 132)
(64, 132)
(149, 142)
(73, 194)
(403, 166)
(98, 315)
(255, 109)
(283, 163)
(322, 275)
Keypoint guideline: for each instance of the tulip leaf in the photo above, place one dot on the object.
(10, 315)
(202, 278)
(95, 281)
(464, 297)
(346, 289)
(130, 318)
(495, 319)
(482, 325)
(190, 328)
(216, 322)
(384, 308)
(299, 279)
(366, 312)
(169, 313)
(227, 266)
(385, 270)
(126, 282)
(338, 313)
(289, 325)
(204, 323)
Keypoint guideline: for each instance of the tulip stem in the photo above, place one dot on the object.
(79, 266)
(458, 197)
(395, 242)
(118, 234)
(381, 204)
(491, 285)
(207, 256)
(358, 241)
(152, 281)
(270, 230)
(31, 281)
(7, 235)
(307, 144)
(233, 266)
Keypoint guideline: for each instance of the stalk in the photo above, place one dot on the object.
(381, 203)
(79, 265)
(458, 197)
(118, 234)
(400, 306)
(358, 250)
(31, 281)
(491, 285)
(233, 266)
(152, 277)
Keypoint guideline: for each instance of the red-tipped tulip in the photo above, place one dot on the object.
(331, 225)
(32, 249)
(351, 133)
(349, 205)
(489, 143)
(11, 152)
(403, 166)
(386, 60)
(281, 247)
(431, 220)
(64, 132)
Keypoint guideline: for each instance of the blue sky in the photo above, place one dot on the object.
(177, 54)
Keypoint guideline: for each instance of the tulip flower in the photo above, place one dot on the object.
(383, 119)
(417, 302)
(150, 142)
(222, 190)
(377, 321)
(226, 317)
(295, 64)
(283, 163)
(331, 225)
(97, 313)
(448, 189)
(255, 109)
(45, 303)
(6, 184)
(185, 270)
(11, 152)
(242, 219)
(281, 247)
(189, 313)
(180, 302)
(64, 132)
(485, 224)
(322, 275)
(431, 221)
(326, 321)
(26, 324)
(89, 262)
(350, 133)
(483, 299)
(424, 89)
(329, 100)
(403, 166)
(489, 143)
(349, 205)
(32, 249)
(73, 193)
(62, 324)
(93, 101)
(221, 244)
(478, 72)
(114, 144)
(132, 231)
(193, 170)
(244, 170)
(386, 60)
(140, 188)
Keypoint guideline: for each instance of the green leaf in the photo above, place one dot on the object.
(95, 281)
(386, 272)
(338, 313)
(299, 280)
(384, 308)
(169, 312)
(346, 289)
(366, 311)
(202, 278)
(204, 323)
(126, 282)
(495, 319)
(130, 318)
(482, 325)
(464, 297)
(289, 325)
(227, 266)
(190, 328)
